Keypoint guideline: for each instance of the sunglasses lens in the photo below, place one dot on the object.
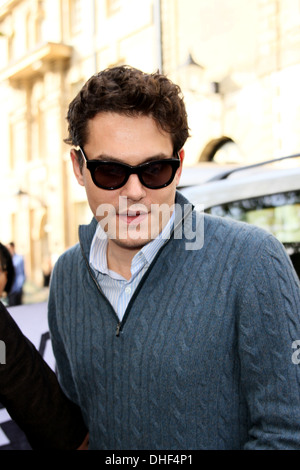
(153, 175)
(158, 174)
(109, 175)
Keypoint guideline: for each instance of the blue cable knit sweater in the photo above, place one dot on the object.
(203, 357)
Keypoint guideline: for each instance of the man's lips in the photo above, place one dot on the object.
(134, 217)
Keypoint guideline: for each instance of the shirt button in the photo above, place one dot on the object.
(127, 290)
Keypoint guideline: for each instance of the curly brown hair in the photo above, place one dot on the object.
(129, 91)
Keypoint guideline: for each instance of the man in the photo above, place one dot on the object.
(15, 296)
(162, 344)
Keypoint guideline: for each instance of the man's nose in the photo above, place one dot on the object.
(133, 189)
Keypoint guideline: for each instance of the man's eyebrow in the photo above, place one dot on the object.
(110, 158)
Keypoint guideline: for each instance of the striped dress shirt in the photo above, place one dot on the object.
(117, 289)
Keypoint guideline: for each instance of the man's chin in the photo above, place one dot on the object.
(129, 243)
(133, 236)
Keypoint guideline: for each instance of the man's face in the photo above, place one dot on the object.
(133, 214)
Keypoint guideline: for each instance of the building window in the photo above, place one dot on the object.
(18, 142)
(75, 16)
(40, 20)
(112, 6)
(37, 134)
(11, 46)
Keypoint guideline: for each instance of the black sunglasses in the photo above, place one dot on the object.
(113, 175)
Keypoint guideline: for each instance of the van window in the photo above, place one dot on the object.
(279, 214)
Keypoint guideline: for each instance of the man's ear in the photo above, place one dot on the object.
(179, 171)
(76, 167)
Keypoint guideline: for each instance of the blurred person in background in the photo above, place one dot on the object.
(46, 270)
(29, 389)
(15, 296)
(7, 271)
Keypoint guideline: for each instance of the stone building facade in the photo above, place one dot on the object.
(238, 63)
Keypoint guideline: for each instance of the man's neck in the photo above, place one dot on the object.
(119, 258)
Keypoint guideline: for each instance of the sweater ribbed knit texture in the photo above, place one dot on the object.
(204, 355)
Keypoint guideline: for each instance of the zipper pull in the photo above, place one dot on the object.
(118, 329)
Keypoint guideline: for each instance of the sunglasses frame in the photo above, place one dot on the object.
(130, 170)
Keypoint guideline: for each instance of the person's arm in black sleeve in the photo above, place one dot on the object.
(30, 392)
